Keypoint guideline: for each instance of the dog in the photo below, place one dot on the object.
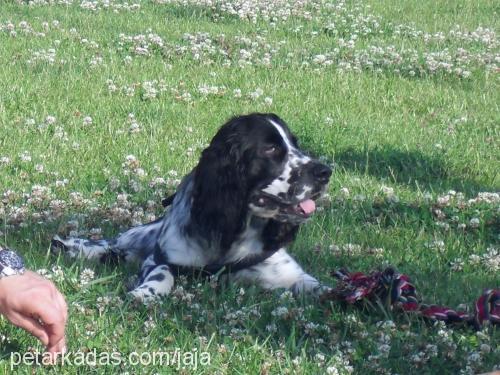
(233, 214)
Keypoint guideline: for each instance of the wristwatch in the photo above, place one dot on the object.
(10, 263)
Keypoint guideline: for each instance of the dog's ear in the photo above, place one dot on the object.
(220, 196)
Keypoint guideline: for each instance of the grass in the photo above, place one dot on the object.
(383, 121)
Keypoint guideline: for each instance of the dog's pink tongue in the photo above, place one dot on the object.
(308, 206)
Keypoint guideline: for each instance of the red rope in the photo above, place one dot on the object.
(396, 290)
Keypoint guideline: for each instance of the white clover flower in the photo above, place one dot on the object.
(436, 244)
(485, 348)
(131, 162)
(344, 191)
(474, 222)
(319, 59)
(25, 156)
(57, 273)
(457, 264)
(43, 272)
(320, 357)
(474, 259)
(149, 324)
(150, 90)
(271, 328)
(418, 358)
(359, 198)
(280, 311)
(50, 120)
(86, 276)
(432, 350)
(134, 127)
(386, 325)
(5, 160)
(87, 120)
(444, 200)
(256, 94)
(286, 296)
(29, 122)
(384, 349)
(334, 249)
(351, 249)
(474, 357)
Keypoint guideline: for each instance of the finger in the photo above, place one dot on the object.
(30, 325)
(62, 306)
(59, 347)
(59, 300)
(53, 322)
(55, 332)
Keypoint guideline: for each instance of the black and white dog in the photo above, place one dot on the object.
(233, 213)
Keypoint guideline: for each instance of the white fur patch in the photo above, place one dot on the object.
(279, 271)
(280, 184)
(304, 192)
(295, 159)
(283, 135)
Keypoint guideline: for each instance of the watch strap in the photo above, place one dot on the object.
(10, 263)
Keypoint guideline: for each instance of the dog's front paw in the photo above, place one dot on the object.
(322, 291)
(144, 296)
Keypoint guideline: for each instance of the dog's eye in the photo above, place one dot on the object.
(271, 150)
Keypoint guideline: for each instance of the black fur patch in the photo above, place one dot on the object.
(277, 235)
(158, 277)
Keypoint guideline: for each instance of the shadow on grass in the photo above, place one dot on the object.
(7, 349)
(411, 168)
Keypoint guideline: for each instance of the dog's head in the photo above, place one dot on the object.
(254, 165)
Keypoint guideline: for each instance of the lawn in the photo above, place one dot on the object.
(105, 105)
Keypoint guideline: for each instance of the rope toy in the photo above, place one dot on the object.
(395, 290)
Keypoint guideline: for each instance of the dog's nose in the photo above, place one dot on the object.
(322, 172)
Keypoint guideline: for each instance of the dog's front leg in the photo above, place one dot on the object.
(155, 281)
(281, 271)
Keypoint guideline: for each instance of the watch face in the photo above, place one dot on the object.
(10, 259)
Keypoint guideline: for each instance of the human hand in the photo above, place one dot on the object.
(33, 303)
